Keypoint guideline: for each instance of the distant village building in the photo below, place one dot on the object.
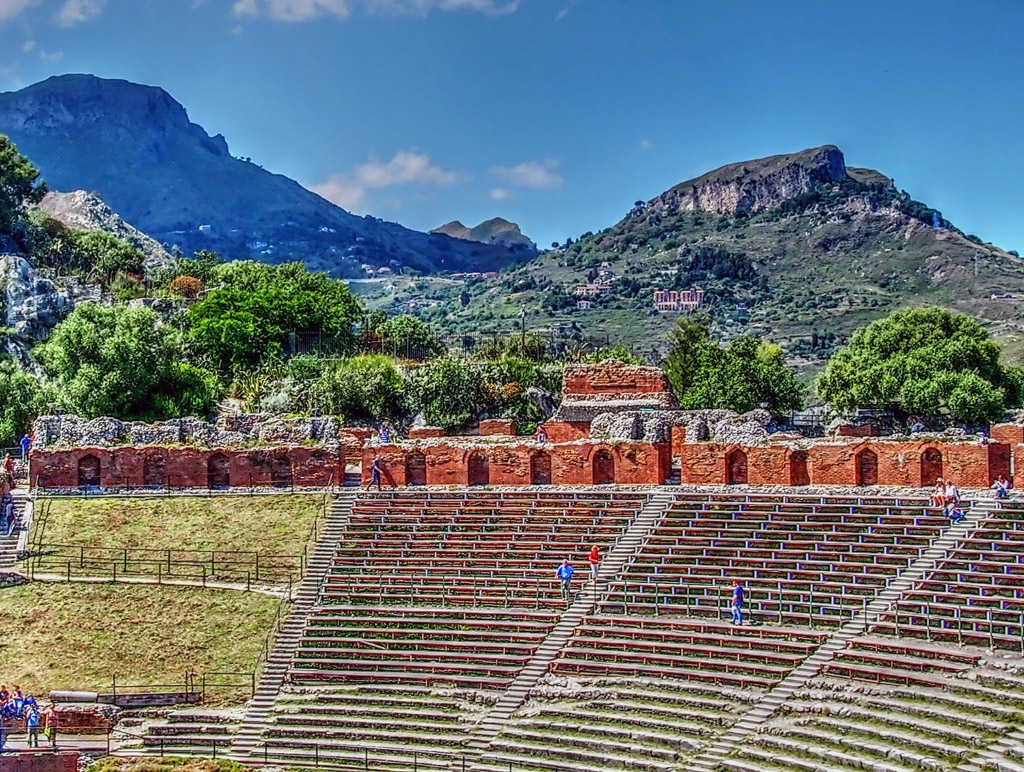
(582, 305)
(678, 300)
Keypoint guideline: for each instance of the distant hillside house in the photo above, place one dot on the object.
(592, 290)
(676, 300)
(582, 305)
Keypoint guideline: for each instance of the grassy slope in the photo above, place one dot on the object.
(825, 275)
(271, 524)
(77, 636)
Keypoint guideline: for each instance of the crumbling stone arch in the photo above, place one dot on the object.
(540, 468)
(479, 468)
(867, 467)
(153, 470)
(415, 468)
(218, 471)
(736, 467)
(799, 471)
(89, 471)
(931, 466)
(603, 467)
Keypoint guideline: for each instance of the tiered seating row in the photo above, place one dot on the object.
(475, 551)
(975, 596)
(919, 714)
(802, 562)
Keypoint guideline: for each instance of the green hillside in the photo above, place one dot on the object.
(803, 258)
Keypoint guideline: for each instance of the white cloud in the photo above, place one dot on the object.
(292, 10)
(646, 144)
(531, 174)
(46, 56)
(349, 190)
(76, 11)
(562, 14)
(301, 10)
(27, 47)
(500, 194)
(11, 8)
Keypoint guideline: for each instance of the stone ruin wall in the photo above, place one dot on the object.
(623, 426)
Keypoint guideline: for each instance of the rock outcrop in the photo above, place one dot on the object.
(494, 231)
(755, 186)
(87, 211)
(32, 305)
(724, 427)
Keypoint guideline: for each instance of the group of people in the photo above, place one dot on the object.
(946, 497)
(14, 705)
(565, 571)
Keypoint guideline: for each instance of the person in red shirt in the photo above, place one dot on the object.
(594, 559)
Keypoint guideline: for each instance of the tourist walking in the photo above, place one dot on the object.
(736, 605)
(26, 445)
(32, 725)
(375, 473)
(564, 574)
(52, 725)
(594, 558)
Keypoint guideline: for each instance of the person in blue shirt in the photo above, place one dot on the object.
(564, 573)
(26, 444)
(737, 602)
(32, 724)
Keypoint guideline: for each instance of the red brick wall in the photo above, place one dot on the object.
(613, 378)
(510, 464)
(188, 467)
(65, 761)
(566, 431)
(425, 432)
(490, 427)
(1011, 434)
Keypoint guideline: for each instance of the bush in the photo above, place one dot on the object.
(363, 388)
(186, 287)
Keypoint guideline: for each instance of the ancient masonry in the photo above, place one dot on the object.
(617, 424)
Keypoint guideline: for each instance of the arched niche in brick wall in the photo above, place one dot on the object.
(218, 471)
(415, 469)
(281, 470)
(153, 472)
(603, 467)
(540, 468)
(479, 468)
(931, 466)
(89, 472)
(736, 467)
(867, 467)
(799, 471)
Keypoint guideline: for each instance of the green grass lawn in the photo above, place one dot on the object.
(78, 636)
(278, 525)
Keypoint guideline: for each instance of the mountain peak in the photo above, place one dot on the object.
(757, 185)
(497, 230)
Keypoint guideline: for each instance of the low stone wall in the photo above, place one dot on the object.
(40, 761)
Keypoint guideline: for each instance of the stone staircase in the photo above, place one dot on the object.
(628, 545)
(247, 738)
(9, 544)
(711, 757)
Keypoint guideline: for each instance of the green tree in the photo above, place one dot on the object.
(23, 399)
(103, 256)
(19, 185)
(247, 321)
(406, 336)
(363, 388)
(448, 391)
(925, 361)
(123, 362)
(747, 374)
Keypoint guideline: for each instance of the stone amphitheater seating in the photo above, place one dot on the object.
(804, 560)
(429, 595)
(860, 714)
(976, 595)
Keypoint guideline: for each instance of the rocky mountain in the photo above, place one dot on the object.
(86, 211)
(797, 248)
(137, 149)
(494, 231)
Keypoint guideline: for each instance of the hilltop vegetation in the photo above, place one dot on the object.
(794, 251)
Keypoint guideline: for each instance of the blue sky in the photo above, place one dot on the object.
(558, 114)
